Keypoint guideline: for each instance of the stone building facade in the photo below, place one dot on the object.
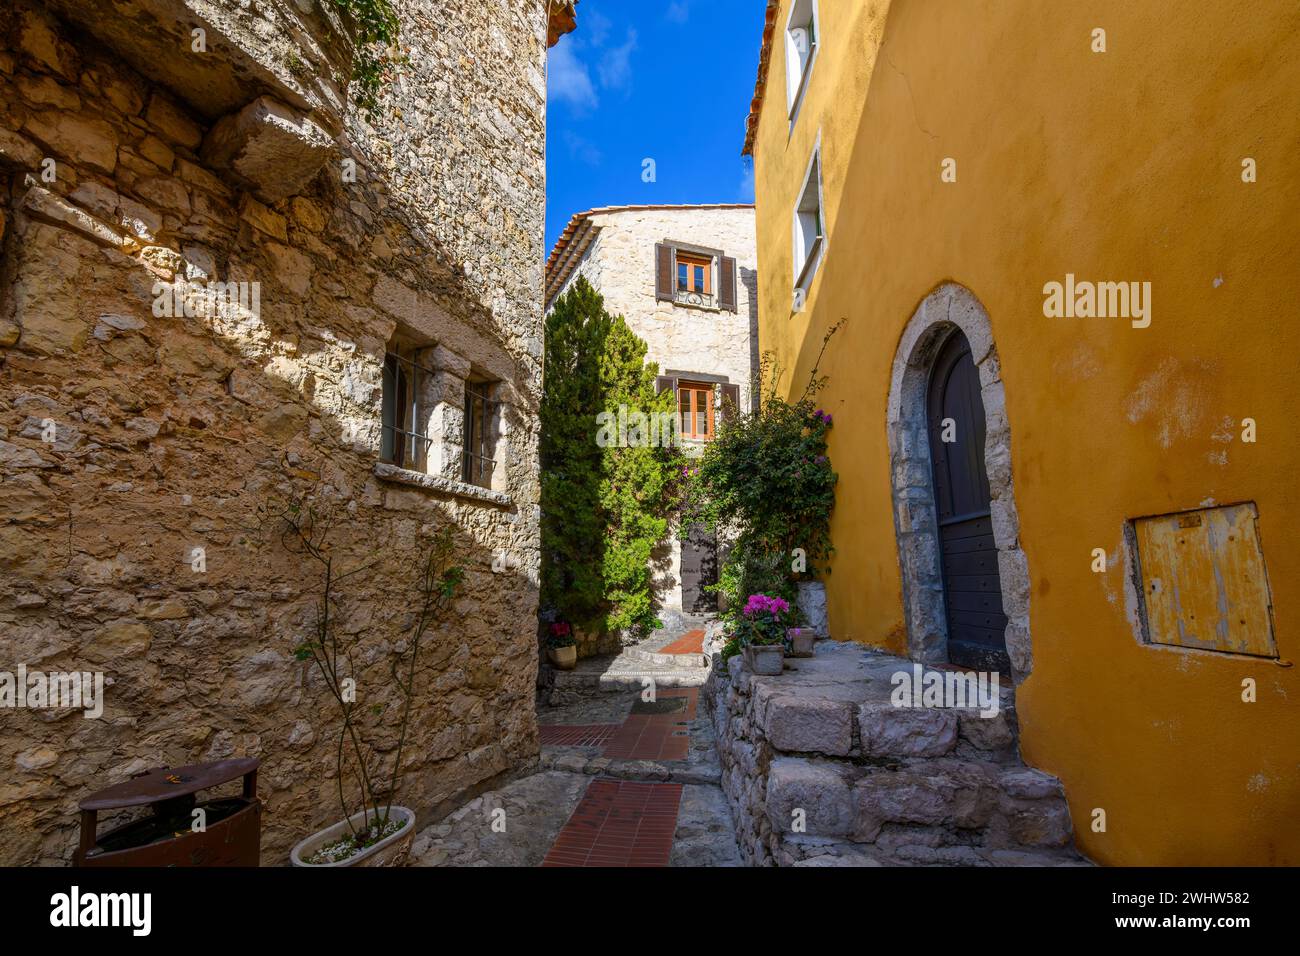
(220, 285)
(686, 280)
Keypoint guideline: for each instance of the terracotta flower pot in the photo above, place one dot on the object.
(563, 658)
(801, 641)
(392, 850)
(767, 660)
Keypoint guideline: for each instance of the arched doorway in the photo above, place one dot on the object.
(949, 342)
(972, 592)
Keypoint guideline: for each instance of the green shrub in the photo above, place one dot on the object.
(767, 480)
(603, 508)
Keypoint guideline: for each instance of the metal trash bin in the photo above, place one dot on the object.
(232, 834)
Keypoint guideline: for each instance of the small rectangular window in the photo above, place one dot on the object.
(801, 36)
(404, 442)
(809, 236)
(478, 464)
(695, 408)
(695, 279)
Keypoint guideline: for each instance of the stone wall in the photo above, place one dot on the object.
(821, 769)
(169, 430)
(620, 265)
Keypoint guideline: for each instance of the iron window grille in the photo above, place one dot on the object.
(403, 444)
(477, 464)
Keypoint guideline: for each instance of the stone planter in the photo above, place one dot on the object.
(767, 660)
(563, 658)
(801, 641)
(390, 851)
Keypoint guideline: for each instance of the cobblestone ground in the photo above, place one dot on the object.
(628, 778)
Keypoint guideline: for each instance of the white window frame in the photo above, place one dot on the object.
(797, 86)
(806, 256)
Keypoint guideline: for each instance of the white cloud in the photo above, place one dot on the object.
(616, 67)
(678, 11)
(568, 79)
(596, 27)
(582, 149)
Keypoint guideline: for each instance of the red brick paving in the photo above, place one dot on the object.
(692, 642)
(655, 736)
(619, 823)
(577, 735)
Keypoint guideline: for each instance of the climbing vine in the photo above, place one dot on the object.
(767, 479)
(377, 52)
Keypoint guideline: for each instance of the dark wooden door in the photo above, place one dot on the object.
(699, 569)
(971, 588)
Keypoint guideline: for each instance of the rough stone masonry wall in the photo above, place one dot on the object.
(620, 265)
(874, 784)
(171, 430)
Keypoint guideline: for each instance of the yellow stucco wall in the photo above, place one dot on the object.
(1122, 166)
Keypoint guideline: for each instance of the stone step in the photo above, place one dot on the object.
(935, 804)
(651, 771)
(682, 661)
(824, 760)
(611, 675)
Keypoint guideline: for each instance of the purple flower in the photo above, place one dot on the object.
(762, 604)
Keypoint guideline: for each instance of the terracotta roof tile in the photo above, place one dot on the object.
(579, 232)
(760, 85)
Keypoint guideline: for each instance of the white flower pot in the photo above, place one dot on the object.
(390, 851)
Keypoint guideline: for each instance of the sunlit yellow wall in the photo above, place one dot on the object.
(1117, 166)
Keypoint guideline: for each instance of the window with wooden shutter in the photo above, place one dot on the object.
(730, 401)
(664, 255)
(727, 284)
(695, 410)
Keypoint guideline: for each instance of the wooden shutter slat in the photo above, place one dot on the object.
(727, 284)
(663, 272)
(730, 397)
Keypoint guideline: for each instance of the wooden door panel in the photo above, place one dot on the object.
(968, 553)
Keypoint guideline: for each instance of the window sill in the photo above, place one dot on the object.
(446, 486)
(699, 307)
(811, 265)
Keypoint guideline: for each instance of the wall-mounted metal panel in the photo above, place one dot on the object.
(1203, 580)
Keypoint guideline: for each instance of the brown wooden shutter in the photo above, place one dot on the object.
(663, 272)
(730, 401)
(727, 284)
(664, 383)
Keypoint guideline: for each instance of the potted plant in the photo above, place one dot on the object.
(379, 832)
(561, 648)
(761, 629)
(799, 641)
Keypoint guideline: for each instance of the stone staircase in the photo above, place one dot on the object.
(627, 670)
(821, 769)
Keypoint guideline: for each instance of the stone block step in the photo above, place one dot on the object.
(665, 660)
(937, 803)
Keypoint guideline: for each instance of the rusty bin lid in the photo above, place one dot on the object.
(166, 783)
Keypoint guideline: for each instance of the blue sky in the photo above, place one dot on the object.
(667, 80)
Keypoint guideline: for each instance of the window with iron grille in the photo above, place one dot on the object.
(404, 442)
(480, 435)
